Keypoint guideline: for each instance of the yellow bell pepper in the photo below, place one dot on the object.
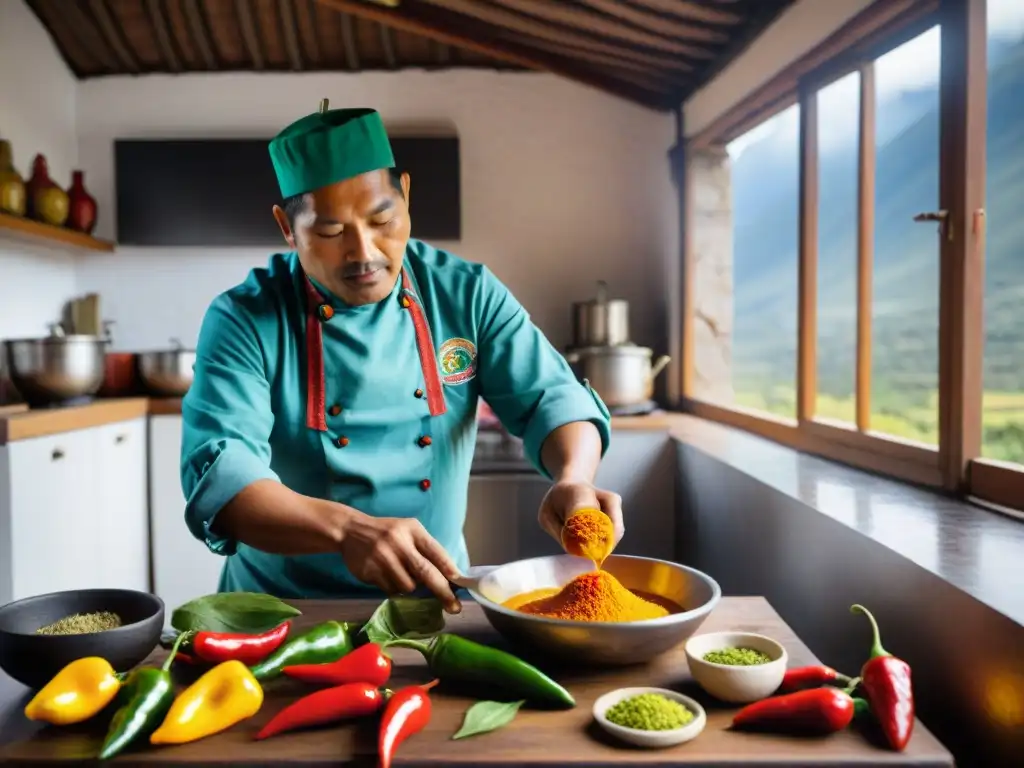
(222, 697)
(79, 691)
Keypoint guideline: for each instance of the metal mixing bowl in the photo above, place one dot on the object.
(56, 368)
(168, 372)
(597, 643)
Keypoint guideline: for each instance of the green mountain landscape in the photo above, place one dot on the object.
(906, 267)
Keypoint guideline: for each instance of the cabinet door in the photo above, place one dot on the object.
(54, 535)
(183, 568)
(122, 506)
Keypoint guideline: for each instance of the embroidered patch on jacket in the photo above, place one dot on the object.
(458, 361)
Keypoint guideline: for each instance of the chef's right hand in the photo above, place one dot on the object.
(396, 554)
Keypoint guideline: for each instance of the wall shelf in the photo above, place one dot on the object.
(38, 232)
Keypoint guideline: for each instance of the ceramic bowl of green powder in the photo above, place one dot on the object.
(41, 634)
(736, 667)
(650, 717)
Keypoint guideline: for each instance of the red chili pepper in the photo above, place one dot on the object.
(407, 712)
(817, 675)
(887, 684)
(818, 711)
(326, 706)
(216, 647)
(366, 664)
(184, 658)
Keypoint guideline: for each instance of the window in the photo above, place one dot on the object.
(1003, 403)
(855, 256)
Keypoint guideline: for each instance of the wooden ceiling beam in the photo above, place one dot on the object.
(348, 38)
(688, 10)
(76, 55)
(305, 11)
(387, 42)
(194, 14)
(163, 34)
(509, 22)
(111, 33)
(583, 20)
(509, 52)
(682, 30)
(81, 25)
(291, 34)
(247, 26)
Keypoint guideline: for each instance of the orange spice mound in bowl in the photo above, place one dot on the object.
(594, 596)
(589, 533)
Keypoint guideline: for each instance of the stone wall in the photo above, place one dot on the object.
(711, 240)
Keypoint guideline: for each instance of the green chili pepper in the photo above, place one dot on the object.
(451, 657)
(147, 695)
(322, 644)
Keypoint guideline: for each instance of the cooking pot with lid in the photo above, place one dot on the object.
(601, 321)
(622, 375)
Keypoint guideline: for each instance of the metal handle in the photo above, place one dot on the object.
(176, 345)
(659, 365)
(107, 325)
(57, 330)
(941, 216)
(58, 453)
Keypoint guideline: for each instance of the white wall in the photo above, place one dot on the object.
(37, 114)
(796, 31)
(561, 186)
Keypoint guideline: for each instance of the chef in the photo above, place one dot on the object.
(330, 427)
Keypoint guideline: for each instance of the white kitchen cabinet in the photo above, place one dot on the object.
(73, 511)
(123, 506)
(183, 568)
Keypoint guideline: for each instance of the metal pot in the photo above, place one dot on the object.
(56, 368)
(167, 373)
(622, 375)
(600, 322)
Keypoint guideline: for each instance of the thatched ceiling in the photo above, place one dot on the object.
(654, 52)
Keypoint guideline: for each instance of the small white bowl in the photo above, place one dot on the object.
(650, 738)
(734, 683)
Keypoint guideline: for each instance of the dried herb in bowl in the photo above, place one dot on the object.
(737, 657)
(649, 712)
(82, 623)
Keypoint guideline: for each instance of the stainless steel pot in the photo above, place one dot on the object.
(56, 368)
(169, 372)
(601, 321)
(622, 375)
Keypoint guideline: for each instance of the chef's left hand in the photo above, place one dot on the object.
(565, 497)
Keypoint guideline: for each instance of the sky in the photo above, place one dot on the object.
(912, 66)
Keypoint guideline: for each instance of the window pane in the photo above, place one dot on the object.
(838, 136)
(745, 224)
(1003, 410)
(905, 311)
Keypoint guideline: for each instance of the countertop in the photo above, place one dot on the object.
(535, 738)
(18, 422)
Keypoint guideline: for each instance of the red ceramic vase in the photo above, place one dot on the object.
(40, 180)
(81, 205)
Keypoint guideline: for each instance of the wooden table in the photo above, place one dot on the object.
(534, 738)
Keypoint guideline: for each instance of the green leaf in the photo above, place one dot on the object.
(232, 612)
(409, 617)
(486, 716)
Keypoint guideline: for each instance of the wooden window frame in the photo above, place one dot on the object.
(955, 465)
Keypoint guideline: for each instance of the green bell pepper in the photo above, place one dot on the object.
(147, 695)
(322, 644)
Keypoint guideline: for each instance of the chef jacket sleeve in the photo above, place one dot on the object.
(526, 381)
(226, 419)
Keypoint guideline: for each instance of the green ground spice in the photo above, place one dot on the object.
(649, 712)
(742, 657)
(82, 623)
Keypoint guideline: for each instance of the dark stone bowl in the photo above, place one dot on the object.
(34, 659)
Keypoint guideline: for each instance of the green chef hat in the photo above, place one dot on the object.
(329, 146)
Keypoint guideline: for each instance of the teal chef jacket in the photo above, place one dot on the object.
(381, 451)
